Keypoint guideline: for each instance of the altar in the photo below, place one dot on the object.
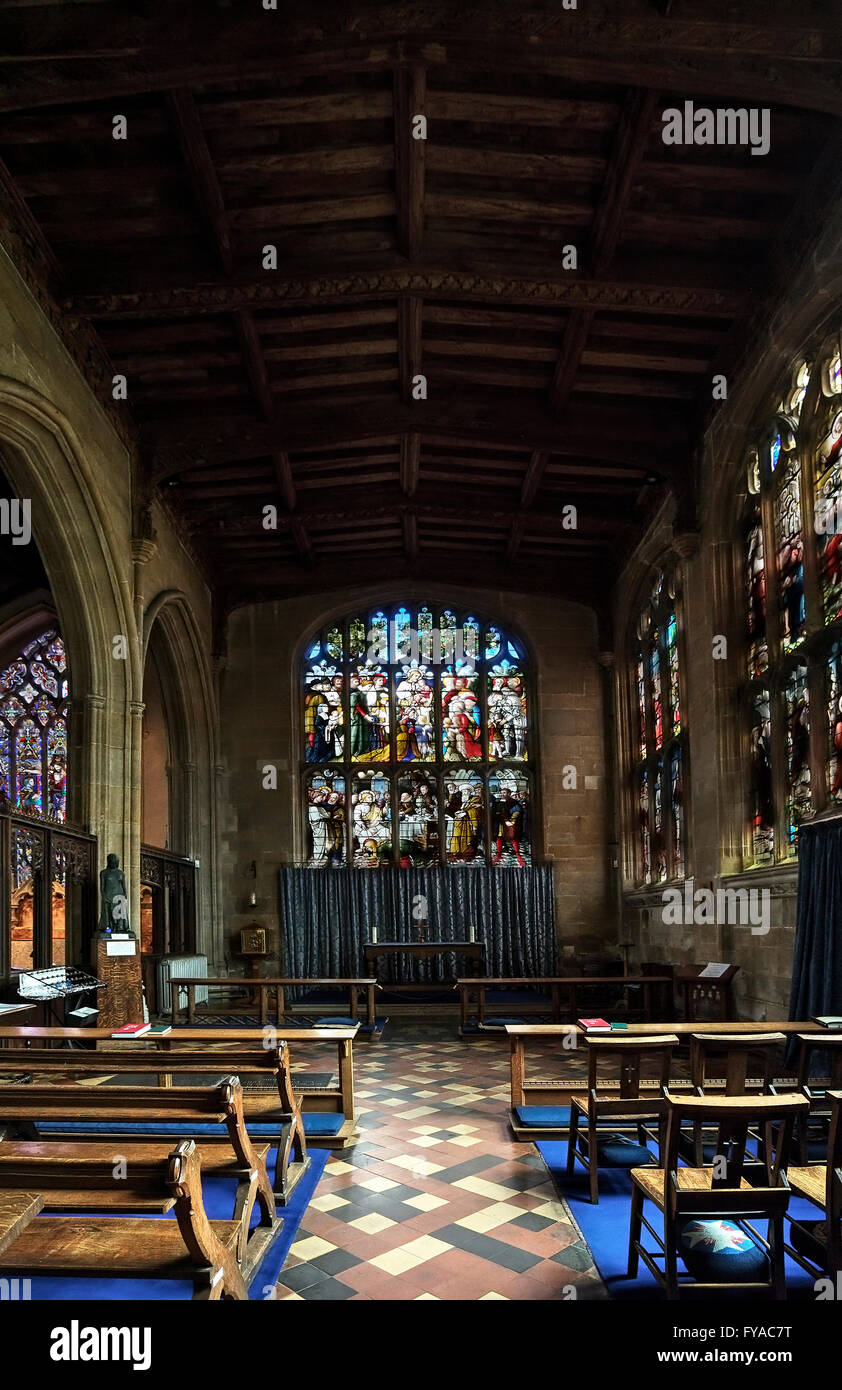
(473, 951)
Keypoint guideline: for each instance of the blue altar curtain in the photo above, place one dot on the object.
(327, 915)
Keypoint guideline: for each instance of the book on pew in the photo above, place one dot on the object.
(594, 1025)
(619, 1027)
(131, 1030)
(159, 1030)
(828, 1020)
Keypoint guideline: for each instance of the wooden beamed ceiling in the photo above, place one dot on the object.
(445, 258)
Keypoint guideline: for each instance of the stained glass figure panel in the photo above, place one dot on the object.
(371, 820)
(418, 819)
(676, 772)
(369, 714)
(510, 833)
(755, 582)
(460, 716)
(464, 801)
(834, 723)
(414, 732)
(324, 732)
(507, 713)
(797, 713)
(326, 838)
(644, 839)
(660, 858)
(828, 517)
(655, 692)
(762, 797)
(790, 558)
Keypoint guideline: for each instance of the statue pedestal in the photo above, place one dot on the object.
(117, 964)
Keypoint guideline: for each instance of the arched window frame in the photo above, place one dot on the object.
(794, 769)
(32, 711)
(658, 856)
(513, 651)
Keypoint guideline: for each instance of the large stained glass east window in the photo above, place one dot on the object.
(418, 746)
(660, 739)
(33, 729)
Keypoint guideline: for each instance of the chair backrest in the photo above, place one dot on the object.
(737, 1120)
(736, 1048)
(809, 1045)
(626, 1057)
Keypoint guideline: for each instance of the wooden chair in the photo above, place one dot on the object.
(735, 1049)
(135, 1115)
(279, 1106)
(713, 1206)
(817, 1246)
(812, 1133)
(630, 1099)
(119, 1247)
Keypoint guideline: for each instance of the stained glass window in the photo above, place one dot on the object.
(33, 729)
(417, 744)
(660, 734)
(793, 605)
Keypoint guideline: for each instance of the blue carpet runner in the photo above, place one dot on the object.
(219, 1203)
(605, 1228)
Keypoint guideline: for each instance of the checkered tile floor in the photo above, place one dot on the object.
(435, 1200)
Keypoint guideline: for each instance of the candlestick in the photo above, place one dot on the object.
(472, 933)
(374, 936)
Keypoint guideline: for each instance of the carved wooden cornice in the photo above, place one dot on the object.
(273, 289)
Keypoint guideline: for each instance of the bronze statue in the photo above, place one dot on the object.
(114, 911)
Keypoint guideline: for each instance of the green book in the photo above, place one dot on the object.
(159, 1030)
(619, 1027)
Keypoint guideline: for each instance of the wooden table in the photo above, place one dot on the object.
(17, 1209)
(423, 950)
(477, 985)
(264, 986)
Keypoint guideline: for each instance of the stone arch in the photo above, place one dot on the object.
(171, 638)
(76, 530)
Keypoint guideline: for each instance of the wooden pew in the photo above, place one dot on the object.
(277, 985)
(190, 1247)
(335, 1103)
(279, 1107)
(128, 1109)
(472, 993)
(556, 1091)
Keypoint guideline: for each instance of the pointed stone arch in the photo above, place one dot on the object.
(76, 528)
(171, 638)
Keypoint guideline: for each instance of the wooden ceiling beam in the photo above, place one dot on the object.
(74, 53)
(497, 280)
(302, 540)
(532, 478)
(410, 342)
(623, 167)
(201, 174)
(515, 538)
(410, 536)
(254, 362)
(410, 463)
(410, 87)
(633, 433)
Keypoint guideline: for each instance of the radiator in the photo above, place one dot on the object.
(191, 967)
